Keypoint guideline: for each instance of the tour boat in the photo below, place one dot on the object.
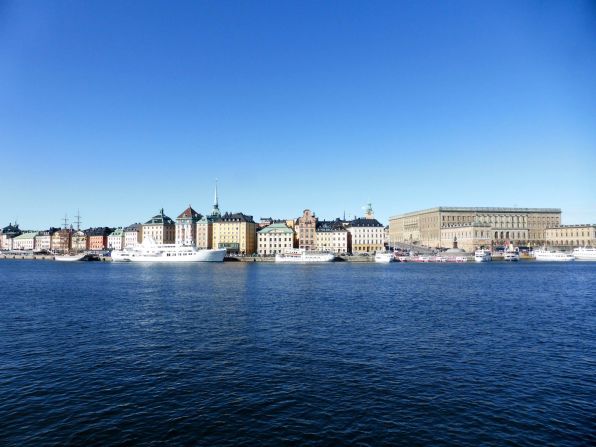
(303, 256)
(149, 251)
(584, 254)
(70, 258)
(482, 256)
(543, 254)
(385, 257)
(511, 256)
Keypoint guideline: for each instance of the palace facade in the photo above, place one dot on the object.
(571, 236)
(437, 227)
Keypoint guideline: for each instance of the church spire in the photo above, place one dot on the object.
(215, 212)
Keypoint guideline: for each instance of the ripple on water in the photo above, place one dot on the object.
(268, 354)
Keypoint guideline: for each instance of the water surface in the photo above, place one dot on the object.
(248, 354)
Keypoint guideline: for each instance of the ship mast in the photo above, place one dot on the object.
(78, 221)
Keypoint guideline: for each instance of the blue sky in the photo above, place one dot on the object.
(121, 108)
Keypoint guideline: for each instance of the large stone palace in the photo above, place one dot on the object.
(473, 227)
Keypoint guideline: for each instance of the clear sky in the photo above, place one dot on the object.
(119, 108)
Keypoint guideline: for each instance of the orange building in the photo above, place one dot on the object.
(97, 238)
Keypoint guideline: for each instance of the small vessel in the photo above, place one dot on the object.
(511, 256)
(584, 254)
(303, 256)
(483, 256)
(543, 254)
(384, 257)
(70, 257)
(149, 251)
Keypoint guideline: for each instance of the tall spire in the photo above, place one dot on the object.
(215, 212)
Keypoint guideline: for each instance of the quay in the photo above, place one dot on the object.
(266, 259)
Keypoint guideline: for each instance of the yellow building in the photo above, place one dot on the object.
(519, 226)
(571, 236)
(235, 232)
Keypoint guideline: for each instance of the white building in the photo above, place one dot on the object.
(43, 241)
(276, 238)
(332, 237)
(25, 241)
(186, 227)
(368, 235)
(133, 235)
(116, 239)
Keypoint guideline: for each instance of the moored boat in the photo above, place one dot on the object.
(70, 257)
(544, 254)
(482, 256)
(511, 256)
(149, 251)
(300, 255)
(385, 257)
(584, 254)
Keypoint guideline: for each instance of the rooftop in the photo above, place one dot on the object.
(28, 235)
(362, 222)
(236, 217)
(189, 213)
(479, 210)
(160, 219)
(276, 227)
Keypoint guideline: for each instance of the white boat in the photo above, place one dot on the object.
(70, 258)
(543, 254)
(584, 254)
(483, 256)
(303, 256)
(384, 257)
(511, 256)
(149, 251)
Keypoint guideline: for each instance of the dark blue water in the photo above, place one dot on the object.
(235, 354)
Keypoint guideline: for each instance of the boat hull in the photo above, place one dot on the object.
(304, 259)
(70, 258)
(584, 254)
(384, 258)
(216, 255)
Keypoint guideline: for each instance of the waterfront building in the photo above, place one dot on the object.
(204, 226)
(235, 232)
(333, 237)
(133, 235)
(79, 241)
(61, 241)
(204, 232)
(469, 236)
(568, 236)
(97, 238)
(307, 230)
(7, 234)
(160, 228)
(24, 241)
(518, 226)
(275, 238)
(367, 235)
(186, 227)
(116, 239)
(43, 240)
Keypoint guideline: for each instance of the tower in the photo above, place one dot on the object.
(215, 212)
